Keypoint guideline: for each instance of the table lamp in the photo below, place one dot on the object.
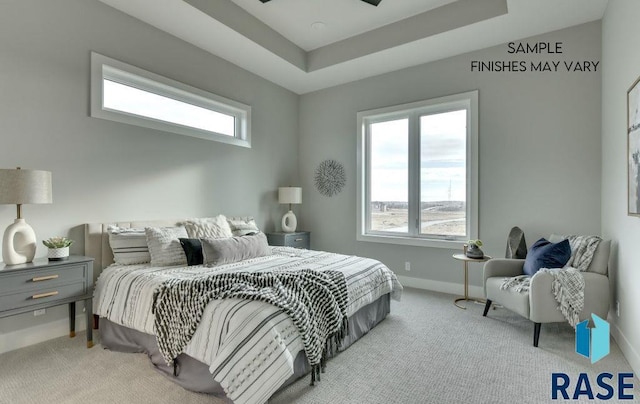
(289, 195)
(22, 187)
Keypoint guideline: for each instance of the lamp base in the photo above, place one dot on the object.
(19, 243)
(289, 222)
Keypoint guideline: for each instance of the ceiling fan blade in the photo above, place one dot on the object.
(264, 1)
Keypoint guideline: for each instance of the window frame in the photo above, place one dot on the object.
(468, 101)
(105, 68)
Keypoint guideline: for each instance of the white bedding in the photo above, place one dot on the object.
(249, 346)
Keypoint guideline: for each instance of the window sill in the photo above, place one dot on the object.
(413, 241)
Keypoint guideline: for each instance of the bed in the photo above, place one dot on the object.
(242, 350)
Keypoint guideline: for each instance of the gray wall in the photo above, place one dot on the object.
(621, 61)
(104, 170)
(539, 152)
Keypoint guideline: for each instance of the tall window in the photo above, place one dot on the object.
(417, 172)
(124, 93)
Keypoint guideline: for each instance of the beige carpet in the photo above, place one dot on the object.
(426, 351)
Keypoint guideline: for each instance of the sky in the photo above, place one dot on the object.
(128, 99)
(443, 158)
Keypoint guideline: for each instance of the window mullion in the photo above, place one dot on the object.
(414, 175)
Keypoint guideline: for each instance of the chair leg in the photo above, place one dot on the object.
(536, 334)
(487, 306)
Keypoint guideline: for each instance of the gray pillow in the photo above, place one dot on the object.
(234, 249)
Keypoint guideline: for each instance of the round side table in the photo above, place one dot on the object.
(466, 260)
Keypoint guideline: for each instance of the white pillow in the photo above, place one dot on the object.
(164, 246)
(241, 226)
(209, 227)
(129, 246)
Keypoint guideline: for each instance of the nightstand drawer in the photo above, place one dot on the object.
(297, 240)
(31, 280)
(42, 295)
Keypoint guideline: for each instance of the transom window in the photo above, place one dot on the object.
(124, 93)
(417, 172)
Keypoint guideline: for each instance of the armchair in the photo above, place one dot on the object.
(538, 304)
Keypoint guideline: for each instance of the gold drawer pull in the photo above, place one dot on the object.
(41, 295)
(44, 278)
(299, 239)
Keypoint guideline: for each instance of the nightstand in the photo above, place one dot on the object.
(42, 284)
(297, 239)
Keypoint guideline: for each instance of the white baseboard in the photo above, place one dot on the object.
(627, 349)
(444, 287)
(39, 333)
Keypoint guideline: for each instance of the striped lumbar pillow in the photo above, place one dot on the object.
(129, 246)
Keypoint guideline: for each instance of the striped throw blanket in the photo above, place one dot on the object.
(250, 346)
(316, 302)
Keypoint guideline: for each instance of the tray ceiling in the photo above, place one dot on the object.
(307, 45)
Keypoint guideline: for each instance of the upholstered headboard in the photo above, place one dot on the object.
(96, 239)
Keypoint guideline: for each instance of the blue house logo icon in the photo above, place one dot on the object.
(593, 343)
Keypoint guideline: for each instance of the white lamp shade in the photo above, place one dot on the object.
(25, 186)
(290, 195)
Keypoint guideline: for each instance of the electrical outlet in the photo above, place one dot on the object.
(407, 266)
(39, 312)
(617, 308)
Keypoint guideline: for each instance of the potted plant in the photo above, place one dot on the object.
(473, 249)
(58, 248)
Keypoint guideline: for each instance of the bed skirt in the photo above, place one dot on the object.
(194, 375)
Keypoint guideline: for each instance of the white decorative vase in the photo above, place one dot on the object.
(19, 243)
(289, 222)
(58, 254)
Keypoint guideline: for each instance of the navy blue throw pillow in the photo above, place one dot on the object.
(545, 254)
(193, 250)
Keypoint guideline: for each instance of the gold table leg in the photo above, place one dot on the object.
(466, 297)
